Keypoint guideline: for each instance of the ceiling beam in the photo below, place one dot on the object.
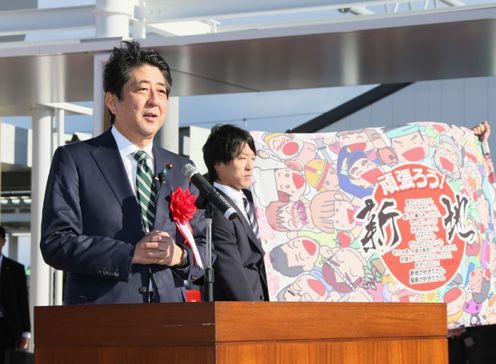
(20, 21)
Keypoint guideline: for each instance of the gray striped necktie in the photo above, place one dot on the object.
(251, 216)
(144, 190)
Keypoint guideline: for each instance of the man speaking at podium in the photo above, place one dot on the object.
(109, 215)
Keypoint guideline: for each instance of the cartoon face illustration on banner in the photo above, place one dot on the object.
(403, 213)
(420, 233)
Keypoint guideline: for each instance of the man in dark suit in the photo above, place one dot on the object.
(14, 307)
(229, 154)
(107, 219)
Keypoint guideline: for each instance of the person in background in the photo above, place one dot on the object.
(482, 130)
(229, 154)
(15, 326)
(473, 345)
(110, 214)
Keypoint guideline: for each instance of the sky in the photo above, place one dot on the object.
(275, 111)
(266, 111)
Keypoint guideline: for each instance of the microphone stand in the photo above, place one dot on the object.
(209, 271)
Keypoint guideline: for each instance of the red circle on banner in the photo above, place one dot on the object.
(424, 258)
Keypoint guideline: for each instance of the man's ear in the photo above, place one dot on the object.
(217, 167)
(111, 102)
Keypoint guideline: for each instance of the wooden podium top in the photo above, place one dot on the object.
(206, 323)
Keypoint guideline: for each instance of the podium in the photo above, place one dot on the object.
(242, 333)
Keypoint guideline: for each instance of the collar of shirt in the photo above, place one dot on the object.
(235, 195)
(126, 149)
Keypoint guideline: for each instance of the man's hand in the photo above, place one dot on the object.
(157, 247)
(24, 343)
(482, 130)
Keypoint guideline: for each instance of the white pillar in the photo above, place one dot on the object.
(58, 275)
(112, 18)
(60, 129)
(13, 246)
(40, 289)
(58, 287)
(1, 168)
(139, 26)
(98, 94)
(168, 136)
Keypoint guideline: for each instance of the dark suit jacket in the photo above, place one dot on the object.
(14, 297)
(91, 223)
(239, 267)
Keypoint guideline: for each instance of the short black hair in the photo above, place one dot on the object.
(124, 59)
(223, 144)
(2, 232)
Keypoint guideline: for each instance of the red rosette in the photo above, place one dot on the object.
(182, 205)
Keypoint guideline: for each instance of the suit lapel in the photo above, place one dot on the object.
(246, 225)
(163, 189)
(159, 162)
(109, 161)
(3, 269)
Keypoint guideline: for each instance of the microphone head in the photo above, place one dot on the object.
(189, 170)
(161, 176)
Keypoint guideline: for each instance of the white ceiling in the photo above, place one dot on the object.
(370, 50)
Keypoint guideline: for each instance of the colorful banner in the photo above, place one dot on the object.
(380, 215)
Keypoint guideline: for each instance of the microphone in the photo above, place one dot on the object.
(159, 180)
(161, 176)
(208, 192)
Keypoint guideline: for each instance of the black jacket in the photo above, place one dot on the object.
(14, 297)
(239, 267)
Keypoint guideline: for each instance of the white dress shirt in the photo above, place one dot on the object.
(126, 150)
(236, 195)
